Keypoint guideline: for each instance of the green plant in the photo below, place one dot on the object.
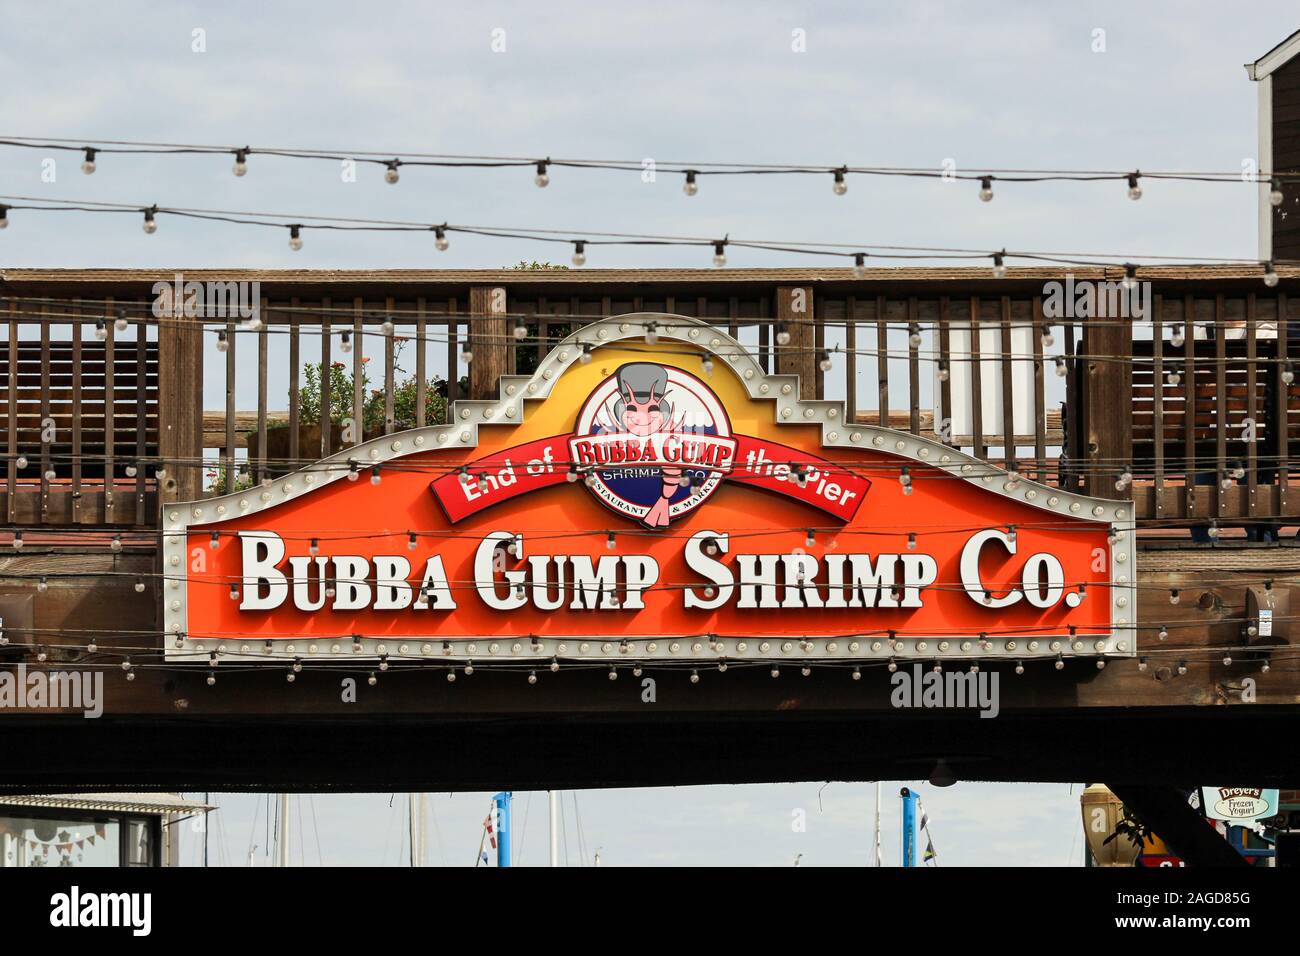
(341, 384)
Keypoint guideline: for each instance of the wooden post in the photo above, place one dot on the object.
(490, 340)
(794, 307)
(180, 407)
(1108, 404)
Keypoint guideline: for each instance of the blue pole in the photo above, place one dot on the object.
(501, 802)
(910, 800)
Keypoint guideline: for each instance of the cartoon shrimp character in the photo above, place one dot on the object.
(642, 410)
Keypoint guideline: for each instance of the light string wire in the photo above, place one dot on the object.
(295, 224)
(400, 158)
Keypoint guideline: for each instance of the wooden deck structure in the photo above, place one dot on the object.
(92, 411)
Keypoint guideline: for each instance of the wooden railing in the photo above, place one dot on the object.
(973, 371)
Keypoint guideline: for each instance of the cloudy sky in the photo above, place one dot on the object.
(990, 84)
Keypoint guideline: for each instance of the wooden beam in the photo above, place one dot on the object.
(794, 307)
(490, 340)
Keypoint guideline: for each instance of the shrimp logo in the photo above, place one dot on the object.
(654, 443)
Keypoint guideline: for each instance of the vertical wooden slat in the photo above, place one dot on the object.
(1108, 397)
(228, 468)
(11, 409)
(819, 345)
(180, 407)
(1283, 403)
(882, 363)
(1220, 403)
(850, 358)
(421, 373)
(141, 418)
(110, 410)
(764, 346)
(295, 359)
(358, 370)
(944, 424)
(543, 326)
(260, 469)
(1189, 401)
(733, 313)
(1252, 408)
(390, 359)
(1008, 398)
(1158, 404)
(45, 413)
(77, 329)
(1040, 392)
(978, 448)
(326, 373)
(453, 357)
(913, 370)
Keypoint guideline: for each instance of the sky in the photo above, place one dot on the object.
(989, 84)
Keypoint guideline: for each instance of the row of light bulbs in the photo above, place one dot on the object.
(690, 186)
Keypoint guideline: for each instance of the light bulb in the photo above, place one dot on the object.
(914, 336)
(440, 239)
(542, 179)
(611, 541)
(651, 333)
(585, 357)
(1134, 190)
(579, 253)
(944, 373)
(1176, 337)
(150, 224)
(1275, 193)
(782, 334)
(1130, 276)
(999, 267)
(1270, 275)
(824, 362)
(43, 584)
(241, 162)
(1288, 373)
(120, 322)
(374, 476)
(345, 342)
(719, 254)
(1049, 340)
(223, 344)
(386, 326)
(1174, 376)
(859, 265)
(986, 188)
(391, 175)
(706, 363)
(690, 187)
(139, 586)
(466, 355)
(840, 187)
(295, 238)
(88, 164)
(520, 331)
(4, 216)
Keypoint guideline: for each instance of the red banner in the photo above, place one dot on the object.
(540, 464)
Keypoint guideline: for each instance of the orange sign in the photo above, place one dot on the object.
(670, 502)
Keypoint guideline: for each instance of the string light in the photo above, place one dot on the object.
(719, 253)
(411, 541)
(1061, 369)
(4, 216)
(1288, 373)
(116, 544)
(986, 188)
(532, 677)
(354, 469)
(911, 541)
(579, 253)
(1176, 336)
(520, 330)
(839, 186)
(1048, 339)
(1129, 281)
(386, 326)
(1020, 667)
(43, 584)
(241, 162)
(150, 224)
(295, 237)
(1163, 633)
(223, 343)
(345, 342)
(859, 265)
(542, 179)
(234, 592)
(782, 334)
(88, 164)
(1134, 190)
(999, 265)
(1182, 668)
(943, 373)
(706, 364)
(824, 361)
(1173, 376)
(810, 539)
(440, 238)
(374, 475)
(139, 585)
(120, 322)
(466, 354)
(391, 175)
(1270, 275)
(1275, 192)
(914, 335)
(101, 330)
(690, 187)
(905, 479)
(611, 541)
(585, 356)
(1174, 596)
(1142, 664)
